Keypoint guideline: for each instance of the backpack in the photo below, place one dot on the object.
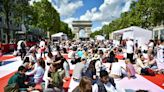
(101, 87)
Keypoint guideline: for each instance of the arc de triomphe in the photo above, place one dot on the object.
(82, 25)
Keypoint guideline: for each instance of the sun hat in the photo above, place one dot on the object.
(96, 56)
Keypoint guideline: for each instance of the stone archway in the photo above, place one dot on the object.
(79, 25)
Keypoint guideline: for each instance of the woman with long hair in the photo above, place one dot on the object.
(38, 71)
(91, 72)
(85, 85)
(55, 83)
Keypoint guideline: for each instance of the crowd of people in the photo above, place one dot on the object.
(96, 65)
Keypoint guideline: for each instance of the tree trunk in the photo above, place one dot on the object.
(7, 6)
(8, 28)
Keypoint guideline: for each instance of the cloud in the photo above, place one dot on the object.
(108, 11)
(69, 21)
(66, 7)
(32, 1)
(105, 23)
(127, 6)
(96, 28)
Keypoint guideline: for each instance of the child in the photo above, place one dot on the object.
(130, 69)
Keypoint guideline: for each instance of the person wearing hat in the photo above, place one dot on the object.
(98, 64)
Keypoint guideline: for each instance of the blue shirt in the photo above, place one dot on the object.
(80, 53)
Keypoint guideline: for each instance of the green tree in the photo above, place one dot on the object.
(7, 9)
(14, 13)
(143, 13)
(45, 16)
(65, 29)
(21, 11)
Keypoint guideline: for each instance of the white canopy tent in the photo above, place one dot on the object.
(59, 36)
(138, 34)
(99, 37)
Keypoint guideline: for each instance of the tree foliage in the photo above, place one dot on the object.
(40, 15)
(45, 16)
(6, 13)
(21, 12)
(143, 13)
(14, 13)
(65, 29)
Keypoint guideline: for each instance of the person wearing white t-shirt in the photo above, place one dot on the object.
(21, 47)
(160, 52)
(42, 46)
(151, 44)
(130, 49)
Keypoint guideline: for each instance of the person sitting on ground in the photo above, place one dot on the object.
(79, 69)
(91, 72)
(140, 64)
(32, 57)
(19, 81)
(105, 83)
(80, 52)
(130, 69)
(50, 58)
(152, 62)
(142, 67)
(55, 83)
(111, 57)
(26, 63)
(38, 72)
(98, 64)
(85, 85)
(116, 69)
(66, 67)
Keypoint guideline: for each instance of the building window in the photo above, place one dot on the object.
(162, 34)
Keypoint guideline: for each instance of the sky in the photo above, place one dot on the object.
(100, 12)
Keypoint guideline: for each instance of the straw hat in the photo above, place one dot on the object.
(96, 56)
